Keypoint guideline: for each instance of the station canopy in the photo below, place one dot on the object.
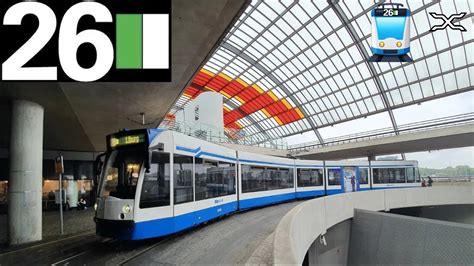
(288, 67)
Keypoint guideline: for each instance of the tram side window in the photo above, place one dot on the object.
(286, 178)
(334, 177)
(253, 178)
(389, 175)
(363, 175)
(309, 177)
(397, 175)
(272, 178)
(411, 175)
(381, 175)
(213, 178)
(227, 171)
(156, 183)
(258, 178)
(183, 178)
(278, 178)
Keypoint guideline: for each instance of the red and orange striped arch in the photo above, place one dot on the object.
(251, 97)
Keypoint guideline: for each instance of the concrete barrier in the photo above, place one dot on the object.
(300, 227)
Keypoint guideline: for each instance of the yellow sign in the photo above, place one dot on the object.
(58, 165)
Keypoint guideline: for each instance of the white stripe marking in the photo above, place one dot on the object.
(156, 40)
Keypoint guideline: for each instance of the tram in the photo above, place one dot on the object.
(158, 182)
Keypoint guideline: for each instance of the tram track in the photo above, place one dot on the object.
(203, 244)
(44, 244)
(96, 246)
(145, 250)
(112, 251)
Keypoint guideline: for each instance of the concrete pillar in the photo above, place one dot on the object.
(26, 167)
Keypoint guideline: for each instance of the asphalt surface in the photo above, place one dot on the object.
(74, 222)
(229, 240)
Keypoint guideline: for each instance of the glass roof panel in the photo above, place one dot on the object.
(314, 55)
(355, 126)
(444, 107)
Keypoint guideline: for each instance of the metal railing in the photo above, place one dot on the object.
(444, 122)
(467, 178)
(219, 135)
(238, 136)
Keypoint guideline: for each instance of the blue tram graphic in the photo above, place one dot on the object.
(390, 30)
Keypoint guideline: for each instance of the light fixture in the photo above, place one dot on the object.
(322, 240)
(126, 208)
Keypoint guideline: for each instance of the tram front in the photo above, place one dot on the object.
(126, 161)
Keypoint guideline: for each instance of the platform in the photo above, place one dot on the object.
(75, 222)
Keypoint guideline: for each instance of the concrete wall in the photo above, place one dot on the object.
(380, 238)
(450, 213)
(435, 139)
(335, 247)
(303, 224)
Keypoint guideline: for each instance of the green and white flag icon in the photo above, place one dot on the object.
(142, 41)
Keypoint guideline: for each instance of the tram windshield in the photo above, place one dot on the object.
(121, 173)
(390, 27)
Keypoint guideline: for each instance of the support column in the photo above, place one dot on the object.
(25, 178)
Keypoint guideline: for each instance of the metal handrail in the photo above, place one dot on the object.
(215, 134)
(430, 124)
(198, 130)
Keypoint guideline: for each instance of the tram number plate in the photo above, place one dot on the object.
(70, 40)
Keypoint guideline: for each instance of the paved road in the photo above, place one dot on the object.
(74, 222)
(231, 240)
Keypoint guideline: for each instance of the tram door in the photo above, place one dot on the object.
(350, 179)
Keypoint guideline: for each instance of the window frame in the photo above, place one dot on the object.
(267, 170)
(149, 206)
(390, 177)
(359, 168)
(218, 162)
(175, 179)
(339, 169)
(319, 169)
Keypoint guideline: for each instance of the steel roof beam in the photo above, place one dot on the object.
(373, 72)
(272, 77)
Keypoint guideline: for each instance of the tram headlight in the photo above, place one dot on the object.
(95, 207)
(126, 208)
(399, 44)
(382, 44)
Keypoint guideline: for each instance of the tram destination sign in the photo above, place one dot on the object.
(118, 141)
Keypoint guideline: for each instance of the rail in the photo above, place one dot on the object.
(438, 123)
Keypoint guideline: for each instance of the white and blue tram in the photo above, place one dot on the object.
(157, 182)
(390, 30)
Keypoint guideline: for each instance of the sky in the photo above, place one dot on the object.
(444, 158)
(453, 105)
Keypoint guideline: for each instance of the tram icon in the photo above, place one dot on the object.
(390, 33)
